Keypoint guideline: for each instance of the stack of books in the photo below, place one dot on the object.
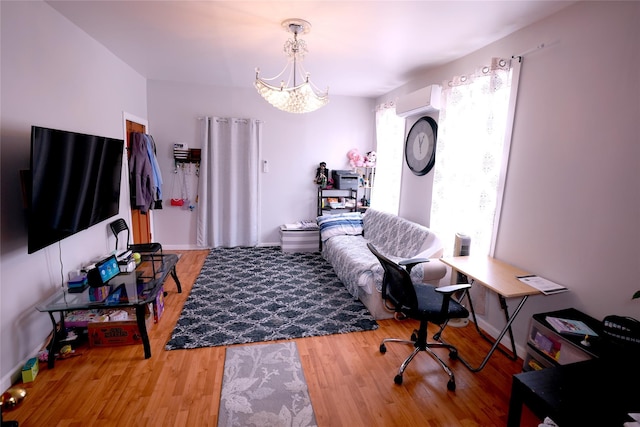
(570, 326)
(78, 283)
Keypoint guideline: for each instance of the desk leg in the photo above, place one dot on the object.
(505, 309)
(496, 342)
(142, 327)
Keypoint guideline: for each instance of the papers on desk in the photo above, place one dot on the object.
(545, 286)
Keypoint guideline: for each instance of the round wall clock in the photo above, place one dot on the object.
(420, 147)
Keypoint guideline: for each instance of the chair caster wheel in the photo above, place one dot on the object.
(383, 348)
(453, 355)
(398, 380)
(451, 385)
(414, 336)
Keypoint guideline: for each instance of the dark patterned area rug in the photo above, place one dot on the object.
(247, 295)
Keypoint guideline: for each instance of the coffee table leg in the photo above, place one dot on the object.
(175, 278)
(142, 327)
(51, 358)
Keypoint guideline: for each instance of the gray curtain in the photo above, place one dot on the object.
(229, 174)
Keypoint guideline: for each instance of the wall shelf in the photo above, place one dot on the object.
(334, 200)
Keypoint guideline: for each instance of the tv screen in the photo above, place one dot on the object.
(75, 183)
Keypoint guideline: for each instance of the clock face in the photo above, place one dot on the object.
(420, 147)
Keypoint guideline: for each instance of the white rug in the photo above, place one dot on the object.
(263, 385)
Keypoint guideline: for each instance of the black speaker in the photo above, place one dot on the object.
(94, 279)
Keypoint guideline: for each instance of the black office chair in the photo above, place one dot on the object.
(148, 250)
(422, 302)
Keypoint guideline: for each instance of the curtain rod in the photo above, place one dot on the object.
(225, 119)
(538, 47)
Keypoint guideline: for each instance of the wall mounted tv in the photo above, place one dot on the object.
(75, 183)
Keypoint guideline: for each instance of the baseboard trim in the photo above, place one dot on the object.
(15, 374)
(200, 248)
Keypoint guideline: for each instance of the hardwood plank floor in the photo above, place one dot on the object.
(350, 381)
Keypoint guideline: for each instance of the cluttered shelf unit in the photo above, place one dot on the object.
(146, 288)
(552, 341)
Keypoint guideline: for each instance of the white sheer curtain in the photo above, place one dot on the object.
(228, 195)
(389, 149)
(471, 155)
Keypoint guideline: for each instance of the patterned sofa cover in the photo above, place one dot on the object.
(345, 238)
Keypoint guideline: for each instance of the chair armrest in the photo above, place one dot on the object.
(413, 261)
(448, 292)
(452, 288)
(410, 263)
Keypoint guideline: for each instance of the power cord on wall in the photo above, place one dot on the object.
(61, 265)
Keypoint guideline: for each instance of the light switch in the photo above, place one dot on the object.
(265, 166)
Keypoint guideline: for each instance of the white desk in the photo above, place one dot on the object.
(501, 278)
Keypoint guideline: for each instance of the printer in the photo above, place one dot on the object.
(345, 179)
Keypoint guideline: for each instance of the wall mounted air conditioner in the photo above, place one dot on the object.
(425, 100)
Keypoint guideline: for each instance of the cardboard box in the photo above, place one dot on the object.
(30, 370)
(105, 334)
(158, 305)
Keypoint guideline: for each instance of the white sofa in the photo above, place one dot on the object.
(344, 245)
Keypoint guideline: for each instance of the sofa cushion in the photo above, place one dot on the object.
(344, 224)
(399, 237)
(357, 268)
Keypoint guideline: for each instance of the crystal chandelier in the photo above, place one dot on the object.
(298, 98)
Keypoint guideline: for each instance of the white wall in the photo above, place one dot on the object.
(53, 75)
(571, 211)
(294, 145)
(415, 191)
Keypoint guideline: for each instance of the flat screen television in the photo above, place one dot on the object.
(74, 183)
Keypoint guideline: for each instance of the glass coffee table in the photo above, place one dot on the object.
(151, 274)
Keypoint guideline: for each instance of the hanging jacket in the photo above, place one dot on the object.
(141, 178)
(155, 167)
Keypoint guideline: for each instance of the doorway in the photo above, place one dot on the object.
(140, 223)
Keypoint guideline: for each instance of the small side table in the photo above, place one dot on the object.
(299, 239)
(594, 392)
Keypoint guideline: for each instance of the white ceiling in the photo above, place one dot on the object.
(356, 48)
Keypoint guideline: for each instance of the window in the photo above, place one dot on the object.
(389, 145)
(471, 156)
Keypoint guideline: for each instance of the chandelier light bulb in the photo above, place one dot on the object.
(302, 98)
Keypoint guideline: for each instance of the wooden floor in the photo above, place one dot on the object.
(350, 381)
